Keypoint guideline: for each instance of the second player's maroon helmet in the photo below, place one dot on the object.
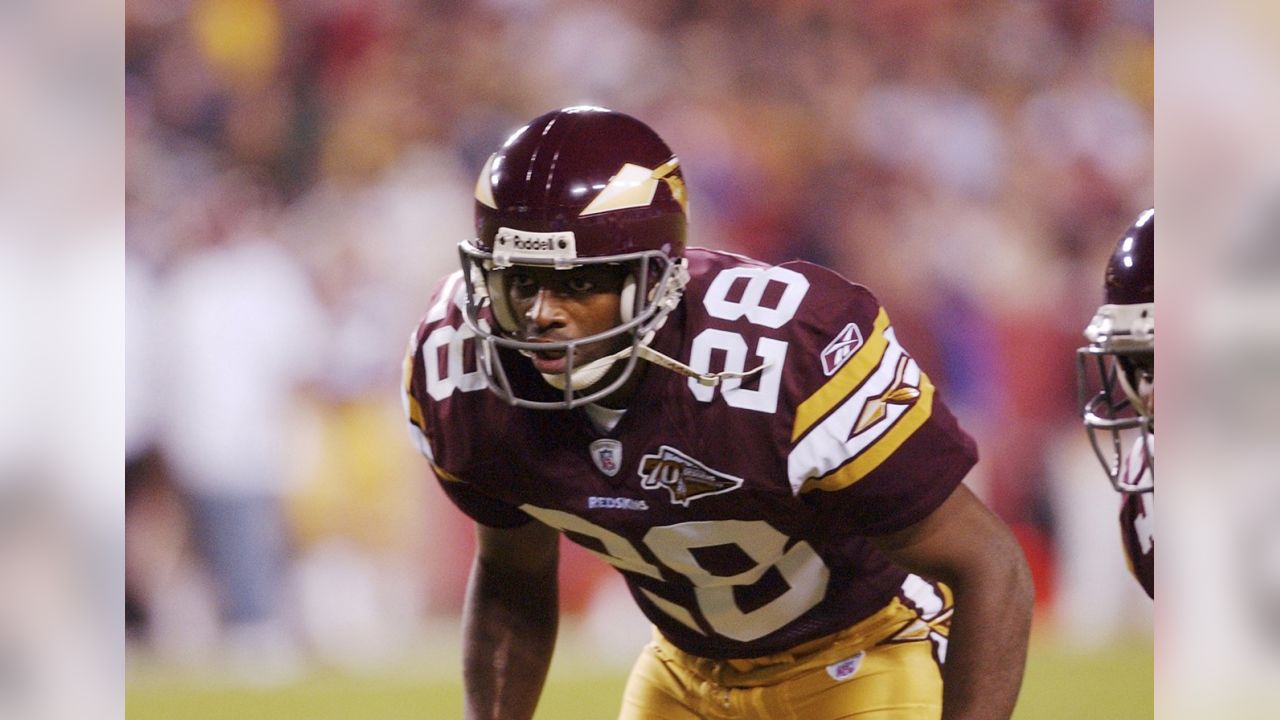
(1117, 367)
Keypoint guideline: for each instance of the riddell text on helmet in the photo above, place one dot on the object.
(522, 243)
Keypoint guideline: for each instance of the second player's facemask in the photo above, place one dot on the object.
(1115, 404)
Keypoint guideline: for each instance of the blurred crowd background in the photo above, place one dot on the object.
(298, 173)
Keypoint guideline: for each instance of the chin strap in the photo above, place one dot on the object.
(589, 374)
(708, 379)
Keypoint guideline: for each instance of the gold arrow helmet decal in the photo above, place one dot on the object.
(634, 186)
(484, 188)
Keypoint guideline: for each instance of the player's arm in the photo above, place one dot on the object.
(510, 620)
(967, 547)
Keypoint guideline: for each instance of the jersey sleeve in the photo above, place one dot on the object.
(870, 437)
(450, 431)
(1137, 516)
(410, 393)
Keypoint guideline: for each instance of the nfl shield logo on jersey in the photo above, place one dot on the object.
(841, 348)
(845, 669)
(607, 455)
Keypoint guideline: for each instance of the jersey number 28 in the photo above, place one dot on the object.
(771, 351)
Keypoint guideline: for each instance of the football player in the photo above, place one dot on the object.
(1117, 389)
(776, 478)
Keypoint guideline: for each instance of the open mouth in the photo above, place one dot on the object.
(550, 362)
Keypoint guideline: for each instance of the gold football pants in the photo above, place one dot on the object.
(887, 667)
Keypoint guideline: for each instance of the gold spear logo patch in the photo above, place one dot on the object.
(898, 393)
(682, 476)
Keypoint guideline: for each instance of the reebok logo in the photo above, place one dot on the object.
(841, 348)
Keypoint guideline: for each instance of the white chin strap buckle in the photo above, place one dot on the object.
(591, 373)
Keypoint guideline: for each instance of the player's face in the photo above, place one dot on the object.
(1140, 373)
(560, 305)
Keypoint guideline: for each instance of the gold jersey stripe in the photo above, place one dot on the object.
(855, 370)
(411, 405)
(444, 474)
(882, 448)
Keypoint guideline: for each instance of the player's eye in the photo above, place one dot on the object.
(521, 282)
(581, 285)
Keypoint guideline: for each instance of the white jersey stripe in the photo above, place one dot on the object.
(833, 443)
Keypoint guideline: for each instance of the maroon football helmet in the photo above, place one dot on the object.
(577, 186)
(1116, 369)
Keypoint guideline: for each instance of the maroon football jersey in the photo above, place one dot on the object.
(738, 514)
(1138, 519)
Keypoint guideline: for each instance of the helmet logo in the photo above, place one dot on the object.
(634, 186)
(606, 453)
(682, 476)
(514, 246)
(1123, 326)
